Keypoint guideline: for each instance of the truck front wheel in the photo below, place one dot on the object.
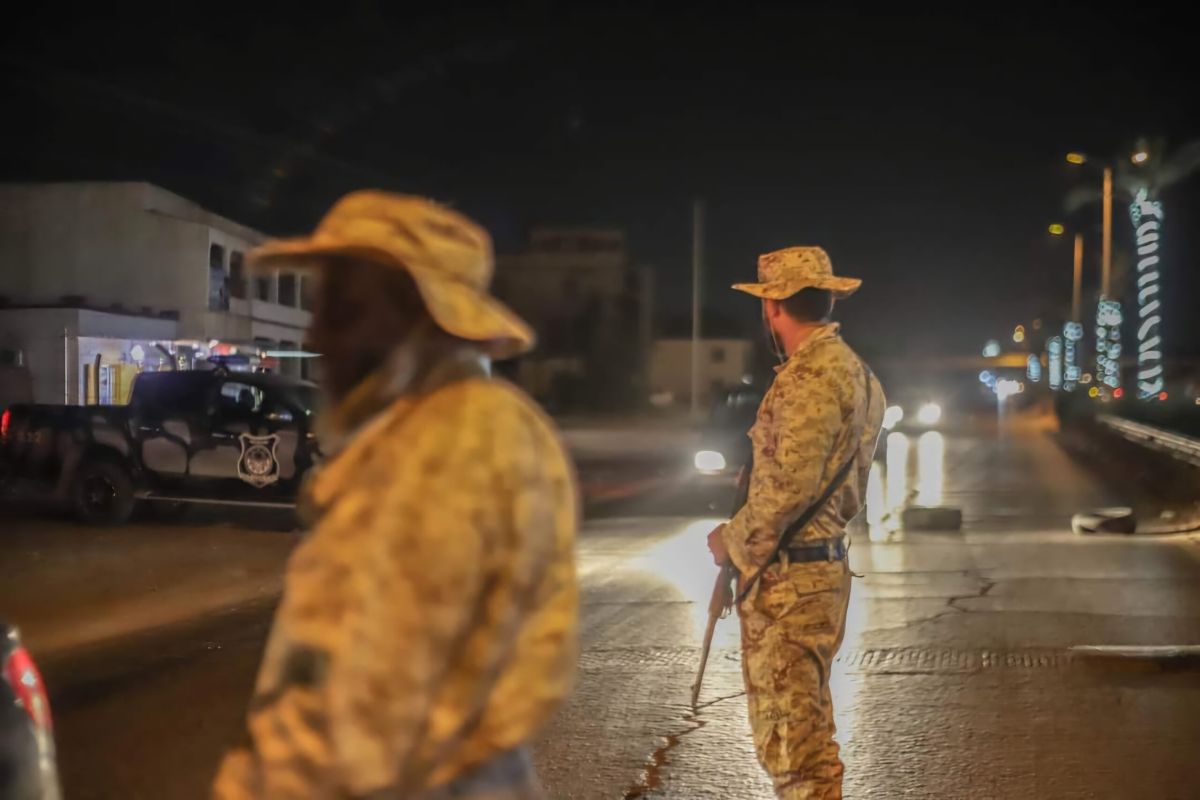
(103, 493)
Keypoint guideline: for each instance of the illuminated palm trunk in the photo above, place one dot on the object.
(1147, 215)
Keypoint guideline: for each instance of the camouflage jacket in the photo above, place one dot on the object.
(811, 420)
(428, 623)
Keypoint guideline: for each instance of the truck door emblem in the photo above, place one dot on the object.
(258, 465)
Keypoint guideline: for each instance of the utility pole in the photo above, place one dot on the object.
(1106, 251)
(66, 369)
(697, 273)
(1077, 285)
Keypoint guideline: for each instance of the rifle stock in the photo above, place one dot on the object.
(720, 603)
(718, 606)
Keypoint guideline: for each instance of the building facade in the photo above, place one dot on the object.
(592, 310)
(99, 281)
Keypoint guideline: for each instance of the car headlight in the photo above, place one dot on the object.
(892, 417)
(929, 414)
(709, 461)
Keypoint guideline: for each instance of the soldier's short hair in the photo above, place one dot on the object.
(809, 305)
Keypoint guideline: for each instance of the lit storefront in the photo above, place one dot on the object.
(107, 367)
(89, 356)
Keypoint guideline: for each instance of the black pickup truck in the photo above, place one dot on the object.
(201, 436)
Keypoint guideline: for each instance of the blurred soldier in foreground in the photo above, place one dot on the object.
(428, 622)
(815, 436)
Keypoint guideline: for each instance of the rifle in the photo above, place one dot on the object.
(721, 601)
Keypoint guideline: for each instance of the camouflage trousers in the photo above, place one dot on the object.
(791, 631)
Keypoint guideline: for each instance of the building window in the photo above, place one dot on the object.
(288, 295)
(237, 275)
(218, 281)
(306, 290)
(717, 355)
(262, 288)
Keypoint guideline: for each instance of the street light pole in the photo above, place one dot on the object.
(1077, 284)
(1106, 251)
(697, 269)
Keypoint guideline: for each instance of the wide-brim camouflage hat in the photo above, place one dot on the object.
(784, 272)
(448, 256)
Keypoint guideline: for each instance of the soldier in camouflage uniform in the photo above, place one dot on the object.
(824, 408)
(428, 623)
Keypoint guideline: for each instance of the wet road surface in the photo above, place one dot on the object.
(956, 679)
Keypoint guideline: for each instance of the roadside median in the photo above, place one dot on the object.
(1160, 488)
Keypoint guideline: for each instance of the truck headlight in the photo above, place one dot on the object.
(709, 462)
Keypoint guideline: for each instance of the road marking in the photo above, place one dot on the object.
(898, 660)
(1166, 652)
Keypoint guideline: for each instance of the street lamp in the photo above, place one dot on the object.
(1107, 310)
(1140, 157)
(1058, 229)
(1079, 159)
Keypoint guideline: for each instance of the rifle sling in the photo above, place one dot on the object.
(811, 512)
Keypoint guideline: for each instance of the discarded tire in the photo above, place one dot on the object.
(1105, 520)
(931, 518)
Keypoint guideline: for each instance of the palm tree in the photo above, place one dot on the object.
(1157, 172)
(1141, 180)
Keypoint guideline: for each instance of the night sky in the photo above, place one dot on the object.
(925, 153)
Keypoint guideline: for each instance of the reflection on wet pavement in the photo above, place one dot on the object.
(895, 473)
(931, 468)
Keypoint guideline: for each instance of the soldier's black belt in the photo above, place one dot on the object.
(832, 549)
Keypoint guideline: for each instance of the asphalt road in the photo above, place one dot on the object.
(956, 680)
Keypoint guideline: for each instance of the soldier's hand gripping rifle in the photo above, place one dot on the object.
(721, 601)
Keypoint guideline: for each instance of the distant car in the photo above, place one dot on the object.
(724, 444)
(914, 411)
(28, 768)
(196, 436)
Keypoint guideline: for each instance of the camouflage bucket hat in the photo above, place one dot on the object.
(448, 256)
(783, 273)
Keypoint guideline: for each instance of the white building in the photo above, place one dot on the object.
(123, 277)
(724, 364)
